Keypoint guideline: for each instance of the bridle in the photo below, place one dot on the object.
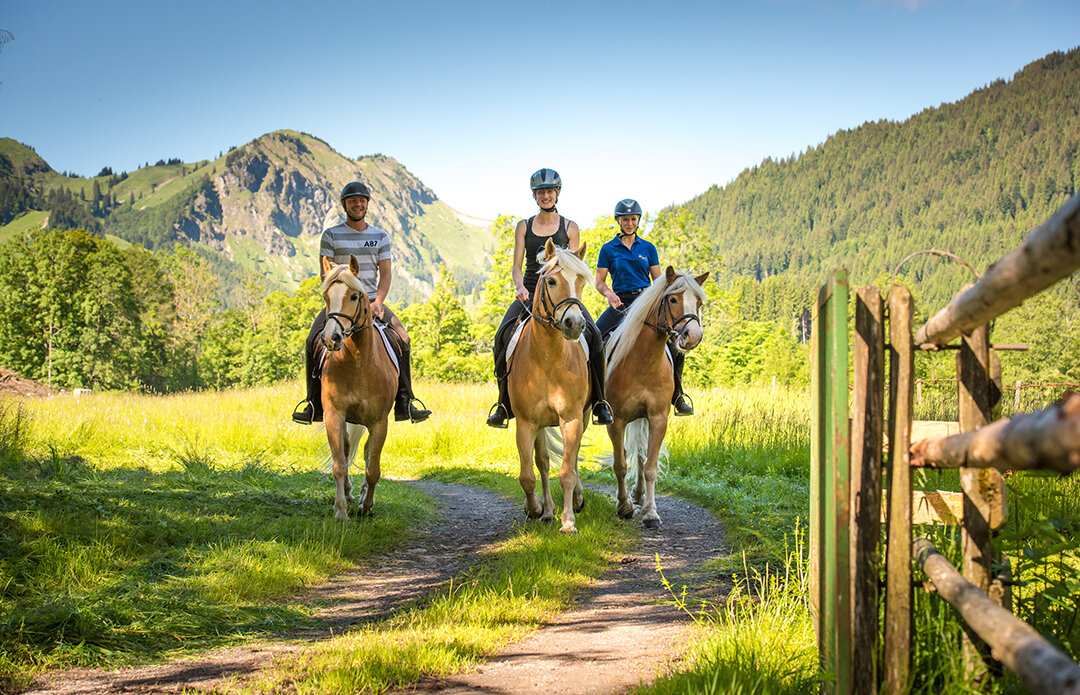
(551, 307)
(336, 317)
(672, 327)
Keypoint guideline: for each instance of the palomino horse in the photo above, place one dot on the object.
(549, 382)
(359, 382)
(640, 381)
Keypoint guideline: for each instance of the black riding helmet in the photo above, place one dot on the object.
(545, 178)
(355, 188)
(628, 206)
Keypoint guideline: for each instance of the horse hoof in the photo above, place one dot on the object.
(531, 514)
(365, 512)
(626, 514)
(651, 524)
(579, 505)
(547, 519)
(568, 528)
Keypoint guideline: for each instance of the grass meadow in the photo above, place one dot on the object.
(141, 528)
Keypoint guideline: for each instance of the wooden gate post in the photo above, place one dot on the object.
(830, 481)
(984, 501)
(897, 658)
(868, 395)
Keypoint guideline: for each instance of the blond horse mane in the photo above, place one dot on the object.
(643, 309)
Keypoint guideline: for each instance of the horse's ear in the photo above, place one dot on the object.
(700, 279)
(327, 264)
(580, 253)
(354, 265)
(669, 275)
(549, 250)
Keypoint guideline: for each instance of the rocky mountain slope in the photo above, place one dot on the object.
(259, 208)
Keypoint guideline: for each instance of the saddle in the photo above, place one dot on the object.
(390, 339)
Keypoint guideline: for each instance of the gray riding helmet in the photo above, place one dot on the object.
(627, 206)
(545, 178)
(355, 188)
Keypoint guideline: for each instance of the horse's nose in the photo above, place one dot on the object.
(572, 326)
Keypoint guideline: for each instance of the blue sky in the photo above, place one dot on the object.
(651, 100)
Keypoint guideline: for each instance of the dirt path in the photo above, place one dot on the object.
(616, 635)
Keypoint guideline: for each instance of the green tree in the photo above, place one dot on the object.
(442, 342)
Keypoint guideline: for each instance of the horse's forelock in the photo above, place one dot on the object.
(567, 259)
(643, 309)
(341, 273)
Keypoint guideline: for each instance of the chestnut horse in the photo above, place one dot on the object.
(640, 382)
(359, 382)
(549, 382)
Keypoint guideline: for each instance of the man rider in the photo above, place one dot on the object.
(371, 247)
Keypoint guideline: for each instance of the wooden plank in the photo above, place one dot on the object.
(1048, 439)
(897, 646)
(1042, 668)
(931, 507)
(868, 397)
(836, 609)
(926, 429)
(983, 488)
(817, 340)
(1048, 254)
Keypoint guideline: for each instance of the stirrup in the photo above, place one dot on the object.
(494, 419)
(605, 408)
(690, 405)
(306, 415)
(412, 413)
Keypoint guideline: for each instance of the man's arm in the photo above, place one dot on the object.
(383, 288)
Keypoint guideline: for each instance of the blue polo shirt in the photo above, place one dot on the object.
(629, 267)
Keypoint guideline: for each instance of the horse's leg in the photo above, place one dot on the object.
(543, 465)
(617, 432)
(373, 459)
(526, 435)
(568, 474)
(338, 441)
(657, 429)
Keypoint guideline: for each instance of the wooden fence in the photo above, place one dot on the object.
(846, 475)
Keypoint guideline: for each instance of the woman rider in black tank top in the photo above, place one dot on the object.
(545, 185)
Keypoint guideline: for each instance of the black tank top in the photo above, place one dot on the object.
(533, 245)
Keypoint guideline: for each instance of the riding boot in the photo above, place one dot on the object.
(312, 410)
(597, 376)
(405, 407)
(683, 405)
(501, 413)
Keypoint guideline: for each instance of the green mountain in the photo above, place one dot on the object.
(258, 209)
(972, 177)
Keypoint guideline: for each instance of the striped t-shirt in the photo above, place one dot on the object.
(369, 246)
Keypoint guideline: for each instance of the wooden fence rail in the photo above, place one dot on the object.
(847, 472)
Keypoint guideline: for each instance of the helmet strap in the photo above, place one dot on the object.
(550, 209)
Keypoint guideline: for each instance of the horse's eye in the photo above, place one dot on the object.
(354, 297)
(551, 282)
(671, 299)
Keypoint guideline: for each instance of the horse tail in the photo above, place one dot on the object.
(353, 434)
(554, 440)
(636, 445)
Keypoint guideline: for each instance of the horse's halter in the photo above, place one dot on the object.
(336, 316)
(666, 324)
(551, 307)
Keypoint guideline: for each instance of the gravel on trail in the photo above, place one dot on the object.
(622, 631)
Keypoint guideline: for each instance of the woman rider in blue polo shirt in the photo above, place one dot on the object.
(633, 264)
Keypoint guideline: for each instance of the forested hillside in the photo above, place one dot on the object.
(973, 177)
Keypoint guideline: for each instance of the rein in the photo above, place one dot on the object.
(673, 328)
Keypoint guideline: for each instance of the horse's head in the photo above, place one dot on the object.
(347, 306)
(679, 309)
(557, 301)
